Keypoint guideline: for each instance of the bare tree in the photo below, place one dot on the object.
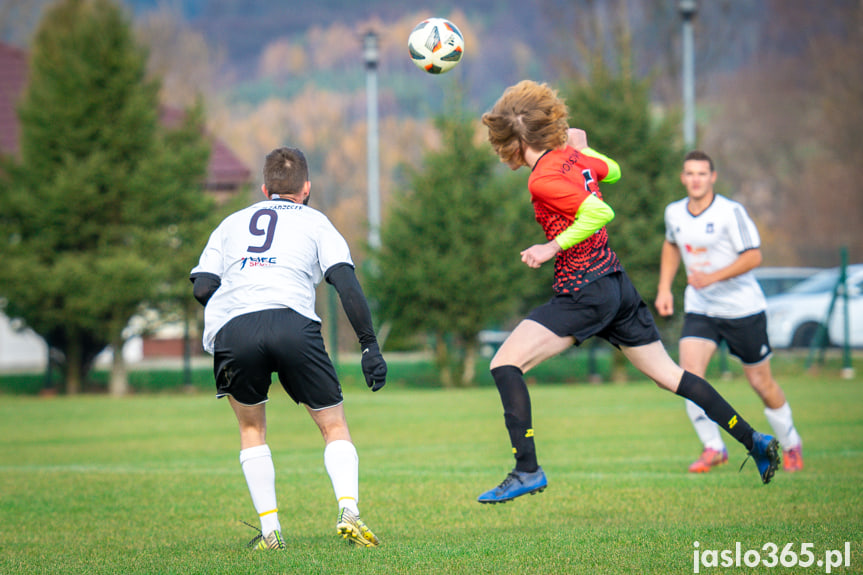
(786, 132)
(187, 66)
(18, 19)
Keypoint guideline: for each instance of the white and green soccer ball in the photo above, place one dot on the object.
(436, 45)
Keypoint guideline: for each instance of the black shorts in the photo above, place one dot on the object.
(253, 346)
(609, 307)
(746, 336)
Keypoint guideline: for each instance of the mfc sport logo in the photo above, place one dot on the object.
(257, 262)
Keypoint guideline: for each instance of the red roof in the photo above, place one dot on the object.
(225, 170)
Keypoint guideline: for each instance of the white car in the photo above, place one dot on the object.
(793, 317)
(776, 280)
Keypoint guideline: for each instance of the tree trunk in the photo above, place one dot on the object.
(468, 371)
(119, 383)
(187, 349)
(74, 362)
(442, 361)
(618, 367)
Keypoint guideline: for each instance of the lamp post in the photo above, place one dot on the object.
(370, 53)
(687, 10)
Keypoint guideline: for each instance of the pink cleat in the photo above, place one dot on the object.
(792, 459)
(709, 459)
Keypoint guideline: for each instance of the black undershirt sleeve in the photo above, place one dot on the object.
(344, 279)
(204, 286)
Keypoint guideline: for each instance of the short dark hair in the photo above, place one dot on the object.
(285, 171)
(699, 156)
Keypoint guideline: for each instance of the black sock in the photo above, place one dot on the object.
(714, 405)
(516, 413)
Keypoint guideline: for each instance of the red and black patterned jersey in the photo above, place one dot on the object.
(560, 181)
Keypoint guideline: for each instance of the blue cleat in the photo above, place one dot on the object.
(516, 484)
(765, 452)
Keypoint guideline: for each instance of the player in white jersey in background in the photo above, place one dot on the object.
(720, 246)
(256, 278)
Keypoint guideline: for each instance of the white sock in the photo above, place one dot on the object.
(343, 466)
(705, 428)
(257, 464)
(783, 426)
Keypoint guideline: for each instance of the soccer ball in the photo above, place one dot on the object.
(436, 45)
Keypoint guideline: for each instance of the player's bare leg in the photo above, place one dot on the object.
(760, 377)
(778, 413)
(527, 346)
(530, 344)
(653, 361)
(259, 471)
(342, 464)
(695, 355)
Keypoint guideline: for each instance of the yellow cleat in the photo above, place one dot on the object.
(272, 541)
(352, 528)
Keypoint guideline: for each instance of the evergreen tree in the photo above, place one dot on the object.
(616, 112)
(615, 109)
(449, 265)
(95, 210)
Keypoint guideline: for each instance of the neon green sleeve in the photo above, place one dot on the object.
(592, 214)
(613, 167)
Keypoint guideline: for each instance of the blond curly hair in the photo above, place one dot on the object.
(529, 113)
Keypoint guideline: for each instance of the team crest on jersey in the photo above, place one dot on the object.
(257, 262)
(709, 229)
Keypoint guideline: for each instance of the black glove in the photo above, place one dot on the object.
(374, 367)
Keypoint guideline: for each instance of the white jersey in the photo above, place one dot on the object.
(270, 255)
(710, 241)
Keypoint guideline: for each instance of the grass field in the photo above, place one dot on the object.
(152, 484)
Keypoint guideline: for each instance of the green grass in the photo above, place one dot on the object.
(152, 484)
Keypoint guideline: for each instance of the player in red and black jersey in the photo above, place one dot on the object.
(561, 181)
(593, 295)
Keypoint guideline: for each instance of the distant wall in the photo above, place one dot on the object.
(20, 349)
(24, 350)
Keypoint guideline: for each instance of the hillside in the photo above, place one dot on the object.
(507, 40)
(768, 73)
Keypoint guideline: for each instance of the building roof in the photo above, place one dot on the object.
(225, 170)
